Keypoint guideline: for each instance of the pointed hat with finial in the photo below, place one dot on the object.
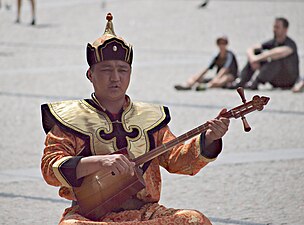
(109, 46)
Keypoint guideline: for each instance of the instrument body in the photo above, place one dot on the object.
(100, 194)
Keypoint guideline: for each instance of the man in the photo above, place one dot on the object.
(276, 60)
(82, 134)
(226, 72)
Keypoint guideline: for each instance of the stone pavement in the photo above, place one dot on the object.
(257, 180)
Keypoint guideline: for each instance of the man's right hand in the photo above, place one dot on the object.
(252, 56)
(117, 164)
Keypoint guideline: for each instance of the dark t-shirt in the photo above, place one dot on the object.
(229, 62)
(291, 62)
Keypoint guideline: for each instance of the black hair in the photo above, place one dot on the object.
(284, 21)
(222, 38)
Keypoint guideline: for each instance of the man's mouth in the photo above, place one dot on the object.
(114, 86)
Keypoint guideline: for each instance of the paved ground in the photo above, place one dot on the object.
(257, 180)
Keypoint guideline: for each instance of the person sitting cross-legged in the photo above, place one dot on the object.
(227, 70)
(106, 133)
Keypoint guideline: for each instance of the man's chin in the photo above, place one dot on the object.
(116, 95)
(115, 91)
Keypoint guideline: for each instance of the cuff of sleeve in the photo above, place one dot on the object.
(65, 171)
(210, 152)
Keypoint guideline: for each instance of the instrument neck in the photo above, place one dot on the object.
(169, 145)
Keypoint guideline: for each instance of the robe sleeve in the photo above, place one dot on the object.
(186, 158)
(59, 161)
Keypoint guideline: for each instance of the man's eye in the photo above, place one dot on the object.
(105, 70)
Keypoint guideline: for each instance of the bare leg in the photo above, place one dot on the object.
(192, 81)
(195, 79)
(33, 12)
(18, 11)
(220, 81)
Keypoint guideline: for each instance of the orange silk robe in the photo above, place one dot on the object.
(182, 159)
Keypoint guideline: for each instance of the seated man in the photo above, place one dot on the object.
(227, 69)
(276, 60)
(82, 136)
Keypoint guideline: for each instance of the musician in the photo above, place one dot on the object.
(82, 134)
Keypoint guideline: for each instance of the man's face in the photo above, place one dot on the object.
(110, 79)
(279, 30)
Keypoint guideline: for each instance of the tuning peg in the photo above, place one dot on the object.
(246, 125)
(240, 90)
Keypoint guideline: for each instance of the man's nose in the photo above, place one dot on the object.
(115, 76)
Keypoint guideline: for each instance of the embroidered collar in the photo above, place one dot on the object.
(126, 104)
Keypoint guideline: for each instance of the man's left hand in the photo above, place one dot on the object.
(217, 128)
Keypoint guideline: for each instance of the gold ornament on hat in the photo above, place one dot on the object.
(109, 27)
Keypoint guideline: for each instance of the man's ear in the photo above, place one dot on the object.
(89, 74)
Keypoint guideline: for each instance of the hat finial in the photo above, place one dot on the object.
(109, 27)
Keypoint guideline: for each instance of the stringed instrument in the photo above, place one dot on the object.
(102, 193)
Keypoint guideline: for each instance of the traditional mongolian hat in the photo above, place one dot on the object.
(109, 46)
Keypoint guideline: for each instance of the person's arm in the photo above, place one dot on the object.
(61, 164)
(117, 164)
(251, 52)
(222, 72)
(273, 54)
(225, 69)
(226, 66)
(189, 158)
(197, 77)
(60, 157)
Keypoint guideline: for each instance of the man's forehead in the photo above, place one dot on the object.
(112, 63)
(278, 23)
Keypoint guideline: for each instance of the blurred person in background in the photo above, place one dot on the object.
(33, 7)
(226, 70)
(276, 60)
